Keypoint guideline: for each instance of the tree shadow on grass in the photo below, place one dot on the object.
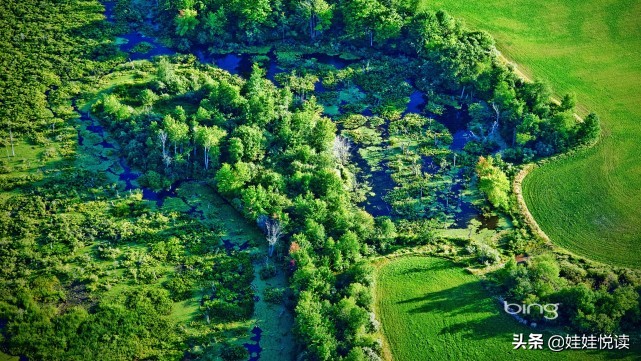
(465, 299)
(433, 267)
(489, 322)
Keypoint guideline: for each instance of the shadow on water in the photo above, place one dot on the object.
(106, 144)
(456, 121)
(254, 349)
(239, 64)
(109, 10)
(272, 67)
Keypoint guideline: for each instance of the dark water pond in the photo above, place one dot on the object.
(381, 183)
(416, 104)
(456, 121)
(332, 60)
(240, 64)
(134, 39)
(109, 10)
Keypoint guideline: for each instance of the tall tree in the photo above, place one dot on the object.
(186, 21)
(208, 137)
(319, 14)
(273, 233)
(177, 132)
(493, 182)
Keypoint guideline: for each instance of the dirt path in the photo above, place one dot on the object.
(521, 74)
(517, 187)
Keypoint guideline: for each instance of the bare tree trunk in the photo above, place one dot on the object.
(206, 158)
(162, 135)
(497, 110)
(274, 233)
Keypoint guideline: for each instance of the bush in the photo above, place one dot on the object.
(223, 311)
(484, 253)
(233, 352)
(154, 180)
(267, 272)
(180, 288)
(274, 295)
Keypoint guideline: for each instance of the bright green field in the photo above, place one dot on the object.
(591, 203)
(431, 309)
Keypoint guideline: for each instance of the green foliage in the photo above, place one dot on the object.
(274, 295)
(593, 301)
(493, 182)
(45, 47)
(267, 272)
(231, 352)
(186, 21)
(269, 151)
(484, 253)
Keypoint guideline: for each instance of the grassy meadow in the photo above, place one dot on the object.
(589, 203)
(431, 309)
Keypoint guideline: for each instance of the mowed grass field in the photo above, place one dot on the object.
(432, 309)
(589, 203)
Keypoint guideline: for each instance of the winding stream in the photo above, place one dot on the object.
(269, 320)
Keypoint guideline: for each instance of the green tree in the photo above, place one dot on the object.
(209, 137)
(252, 15)
(319, 14)
(236, 149)
(253, 142)
(147, 98)
(372, 18)
(230, 180)
(186, 21)
(177, 132)
(216, 24)
(589, 130)
(314, 328)
(493, 183)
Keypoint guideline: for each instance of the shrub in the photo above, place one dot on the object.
(484, 253)
(267, 272)
(274, 295)
(233, 352)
